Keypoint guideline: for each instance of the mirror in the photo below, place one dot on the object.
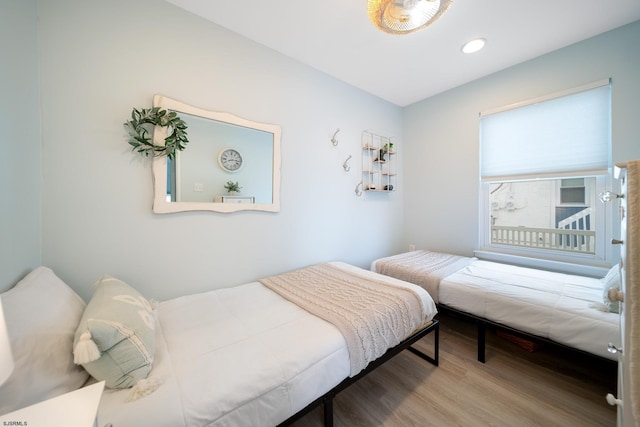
(222, 148)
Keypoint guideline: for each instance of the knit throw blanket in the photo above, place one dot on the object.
(423, 268)
(372, 315)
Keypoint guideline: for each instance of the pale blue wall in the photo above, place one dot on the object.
(441, 133)
(20, 157)
(98, 60)
(93, 196)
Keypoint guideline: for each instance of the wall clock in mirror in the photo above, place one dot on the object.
(230, 160)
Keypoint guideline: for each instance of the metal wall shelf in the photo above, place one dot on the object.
(379, 164)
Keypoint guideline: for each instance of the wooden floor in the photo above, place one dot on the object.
(549, 387)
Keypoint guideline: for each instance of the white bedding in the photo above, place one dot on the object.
(557, 306)
(561, 307)
(240, 356)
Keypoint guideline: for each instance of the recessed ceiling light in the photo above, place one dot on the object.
(473, 45)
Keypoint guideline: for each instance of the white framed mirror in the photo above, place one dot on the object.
(222, 148)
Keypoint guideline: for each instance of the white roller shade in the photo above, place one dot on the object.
(562, 135)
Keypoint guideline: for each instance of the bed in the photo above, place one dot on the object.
(569, 310)
(244, 355)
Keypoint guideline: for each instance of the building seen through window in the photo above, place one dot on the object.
(554, 214)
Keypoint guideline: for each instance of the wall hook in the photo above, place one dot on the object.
(359, 189)
(334, 141)
(345, 165)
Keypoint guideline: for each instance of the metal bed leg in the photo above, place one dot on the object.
(436, 349)
(482, 328)
(436, 345)
(328, 410)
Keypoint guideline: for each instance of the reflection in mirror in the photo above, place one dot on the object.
(199, 174)
(222, 147)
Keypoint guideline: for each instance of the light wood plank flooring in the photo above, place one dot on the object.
(549, 387)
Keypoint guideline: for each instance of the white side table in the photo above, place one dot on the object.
(74, 409)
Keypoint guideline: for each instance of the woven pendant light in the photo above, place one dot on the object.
(405, 16)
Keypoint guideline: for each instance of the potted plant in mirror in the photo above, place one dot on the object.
(232, 187)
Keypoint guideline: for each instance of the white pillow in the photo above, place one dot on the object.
(42, 315)
(611, 281)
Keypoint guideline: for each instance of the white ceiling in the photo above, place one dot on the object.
(336, 37)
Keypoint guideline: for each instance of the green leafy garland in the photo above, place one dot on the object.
(141, 140)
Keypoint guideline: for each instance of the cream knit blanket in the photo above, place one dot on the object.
(372, 315)
(423, 268)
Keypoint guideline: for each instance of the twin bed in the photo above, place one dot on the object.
(569, 310)
(245, 355)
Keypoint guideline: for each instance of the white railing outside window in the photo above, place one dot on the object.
(568, 240)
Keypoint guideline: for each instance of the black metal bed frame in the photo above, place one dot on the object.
(327, 399)
(482, 324)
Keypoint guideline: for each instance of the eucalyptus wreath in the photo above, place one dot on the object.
(141, 139)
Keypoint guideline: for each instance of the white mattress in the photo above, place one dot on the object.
(557, 306)
(240, 356)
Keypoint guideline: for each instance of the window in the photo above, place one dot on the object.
(572, 190)
(542, 165)
(532, 214)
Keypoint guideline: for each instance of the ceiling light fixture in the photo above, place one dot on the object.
(473, 46)
(405, 16)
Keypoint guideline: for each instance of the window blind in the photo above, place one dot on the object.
(567, 134)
